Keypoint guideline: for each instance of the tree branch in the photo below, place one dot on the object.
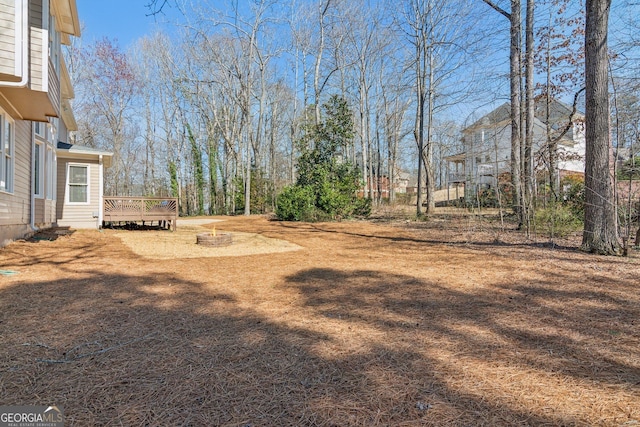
(570, 122)
(155, 6)
(498, 9)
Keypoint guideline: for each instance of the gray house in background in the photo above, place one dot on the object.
(487, 147)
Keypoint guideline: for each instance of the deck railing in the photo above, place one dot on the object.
(457, 177)
(141, 209)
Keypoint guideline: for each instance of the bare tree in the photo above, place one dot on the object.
(560, 57)
(601, 226)
(439, 35)
(529, 112)
(515, 79)
(108, 89)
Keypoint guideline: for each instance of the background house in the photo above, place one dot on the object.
(34, 110)
(487, 146)
(383, 185)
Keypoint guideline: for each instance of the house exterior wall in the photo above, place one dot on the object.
(31, 93)
(79, 215)
(8, 39)
(37, 53)
(487, 154)
(10, 43)
(44, 213)
(45, 201)
(18, 207)
(575, 153)
(15, 206)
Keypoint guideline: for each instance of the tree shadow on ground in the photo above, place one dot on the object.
(148, 347)
(590, 343)
(494, 242)
(120, 349)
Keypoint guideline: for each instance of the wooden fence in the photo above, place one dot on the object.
(141, 209)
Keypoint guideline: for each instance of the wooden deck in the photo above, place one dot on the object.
(141, 209)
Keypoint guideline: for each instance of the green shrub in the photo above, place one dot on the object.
(296, 203)
(557, 221)
(573, 194)
(327, 185)
(362, 207)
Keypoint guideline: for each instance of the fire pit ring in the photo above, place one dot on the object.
(214, 240)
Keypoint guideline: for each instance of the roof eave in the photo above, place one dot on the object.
(66, 13)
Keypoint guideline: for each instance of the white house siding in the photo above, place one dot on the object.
(44, 213)
(15, 207)
(577, 149)
(78, 216)
(38, 54)
(488, 149)
(7, 39)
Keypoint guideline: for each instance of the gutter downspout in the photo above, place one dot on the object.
(22, 20)
(101, 191)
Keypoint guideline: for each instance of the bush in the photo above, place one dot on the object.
(487, 198)
(573, 194)
(296, 203)
(327, 185)
(557, 220)
(403, 198)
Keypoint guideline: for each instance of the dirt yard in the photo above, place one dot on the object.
(393, 323)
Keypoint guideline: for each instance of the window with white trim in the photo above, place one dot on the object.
(52, 128)
(38, 169)
(78, 183)
(7, 131)
(40, 129)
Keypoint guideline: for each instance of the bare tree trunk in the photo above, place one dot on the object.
(529, 116)
(418, 134)
(515, 72)
(516, 128)
(364, 140)
(552, 145)
(378, 161)
(428, 161)
(600, 219)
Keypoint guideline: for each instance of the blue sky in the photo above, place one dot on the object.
(124, 20)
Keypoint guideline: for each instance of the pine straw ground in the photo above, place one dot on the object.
(389, 323)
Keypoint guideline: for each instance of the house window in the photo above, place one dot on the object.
(40, 129)
(78, 183)
(52, 134)
(54, 44)
(6, 153)
(38, 169)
